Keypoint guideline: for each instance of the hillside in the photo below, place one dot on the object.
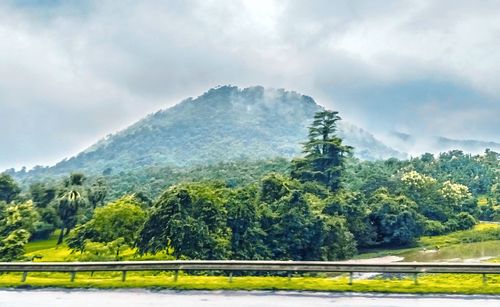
(225, 123)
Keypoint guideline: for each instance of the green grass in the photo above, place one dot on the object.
(430, 283)
(42, 244)
(480, 233)
(49, 251)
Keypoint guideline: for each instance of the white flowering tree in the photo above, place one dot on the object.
(417, 181)
(423, 190)
(447, 205)
(455, 192)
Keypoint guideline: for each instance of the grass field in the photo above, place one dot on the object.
(428, 283)
(49, 251)
(481, 232)
(431, 283)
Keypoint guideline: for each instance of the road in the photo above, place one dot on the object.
(144, 298)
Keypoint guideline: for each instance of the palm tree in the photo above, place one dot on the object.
(68, 205)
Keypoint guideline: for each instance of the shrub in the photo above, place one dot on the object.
(433, 228)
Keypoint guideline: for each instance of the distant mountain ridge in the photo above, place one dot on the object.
(473, 146)
(411, 144)
(225, 123)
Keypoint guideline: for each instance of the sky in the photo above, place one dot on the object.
(74, 71)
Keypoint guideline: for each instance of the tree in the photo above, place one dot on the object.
(324, 153)
(12, 246)
(352, 206)
(394, 218)
(190, 220)
(18, 216)
(294, 230)
(243, 218)
(423, 190)
(41, 194)
(337, 242)
(17, 221)
(68, 205)
(75, 179)
(454, 192)
(120, 219)
(97, 193)
(462, 221)
(8, 188)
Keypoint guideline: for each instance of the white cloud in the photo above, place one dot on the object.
(74, 71)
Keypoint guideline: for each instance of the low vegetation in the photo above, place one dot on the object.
(430, 283)
(480, 233)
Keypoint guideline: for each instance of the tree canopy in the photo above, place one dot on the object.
(324, 153)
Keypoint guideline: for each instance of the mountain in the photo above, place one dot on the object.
(471, 146)
(225, 123)
(416, 146)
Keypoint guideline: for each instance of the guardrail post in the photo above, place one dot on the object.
(289, 275)
(485, 280)
(23, 278)
(415, 278)
(231, 277)
(351, 277)
(176, 275)
(73, 274)
(124, 275)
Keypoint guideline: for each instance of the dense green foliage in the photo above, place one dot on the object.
(17, 221)
(152, 181)
(117, 222)
(273, 221)
(189, 219)
(394, 218)
(8, 188)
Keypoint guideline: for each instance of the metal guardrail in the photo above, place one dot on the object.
(414, 268)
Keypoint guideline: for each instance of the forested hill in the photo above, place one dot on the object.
(225, 123)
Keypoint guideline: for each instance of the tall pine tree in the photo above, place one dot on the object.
(324, 153)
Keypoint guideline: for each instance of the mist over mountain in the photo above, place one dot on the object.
(416, 145)
(225, 123)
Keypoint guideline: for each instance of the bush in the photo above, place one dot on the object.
(119, 219)
(433, 228)
(465, 221)
(97, 251)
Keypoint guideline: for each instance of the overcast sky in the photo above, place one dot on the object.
(73, 71)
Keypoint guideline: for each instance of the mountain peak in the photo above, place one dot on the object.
(225, 123)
